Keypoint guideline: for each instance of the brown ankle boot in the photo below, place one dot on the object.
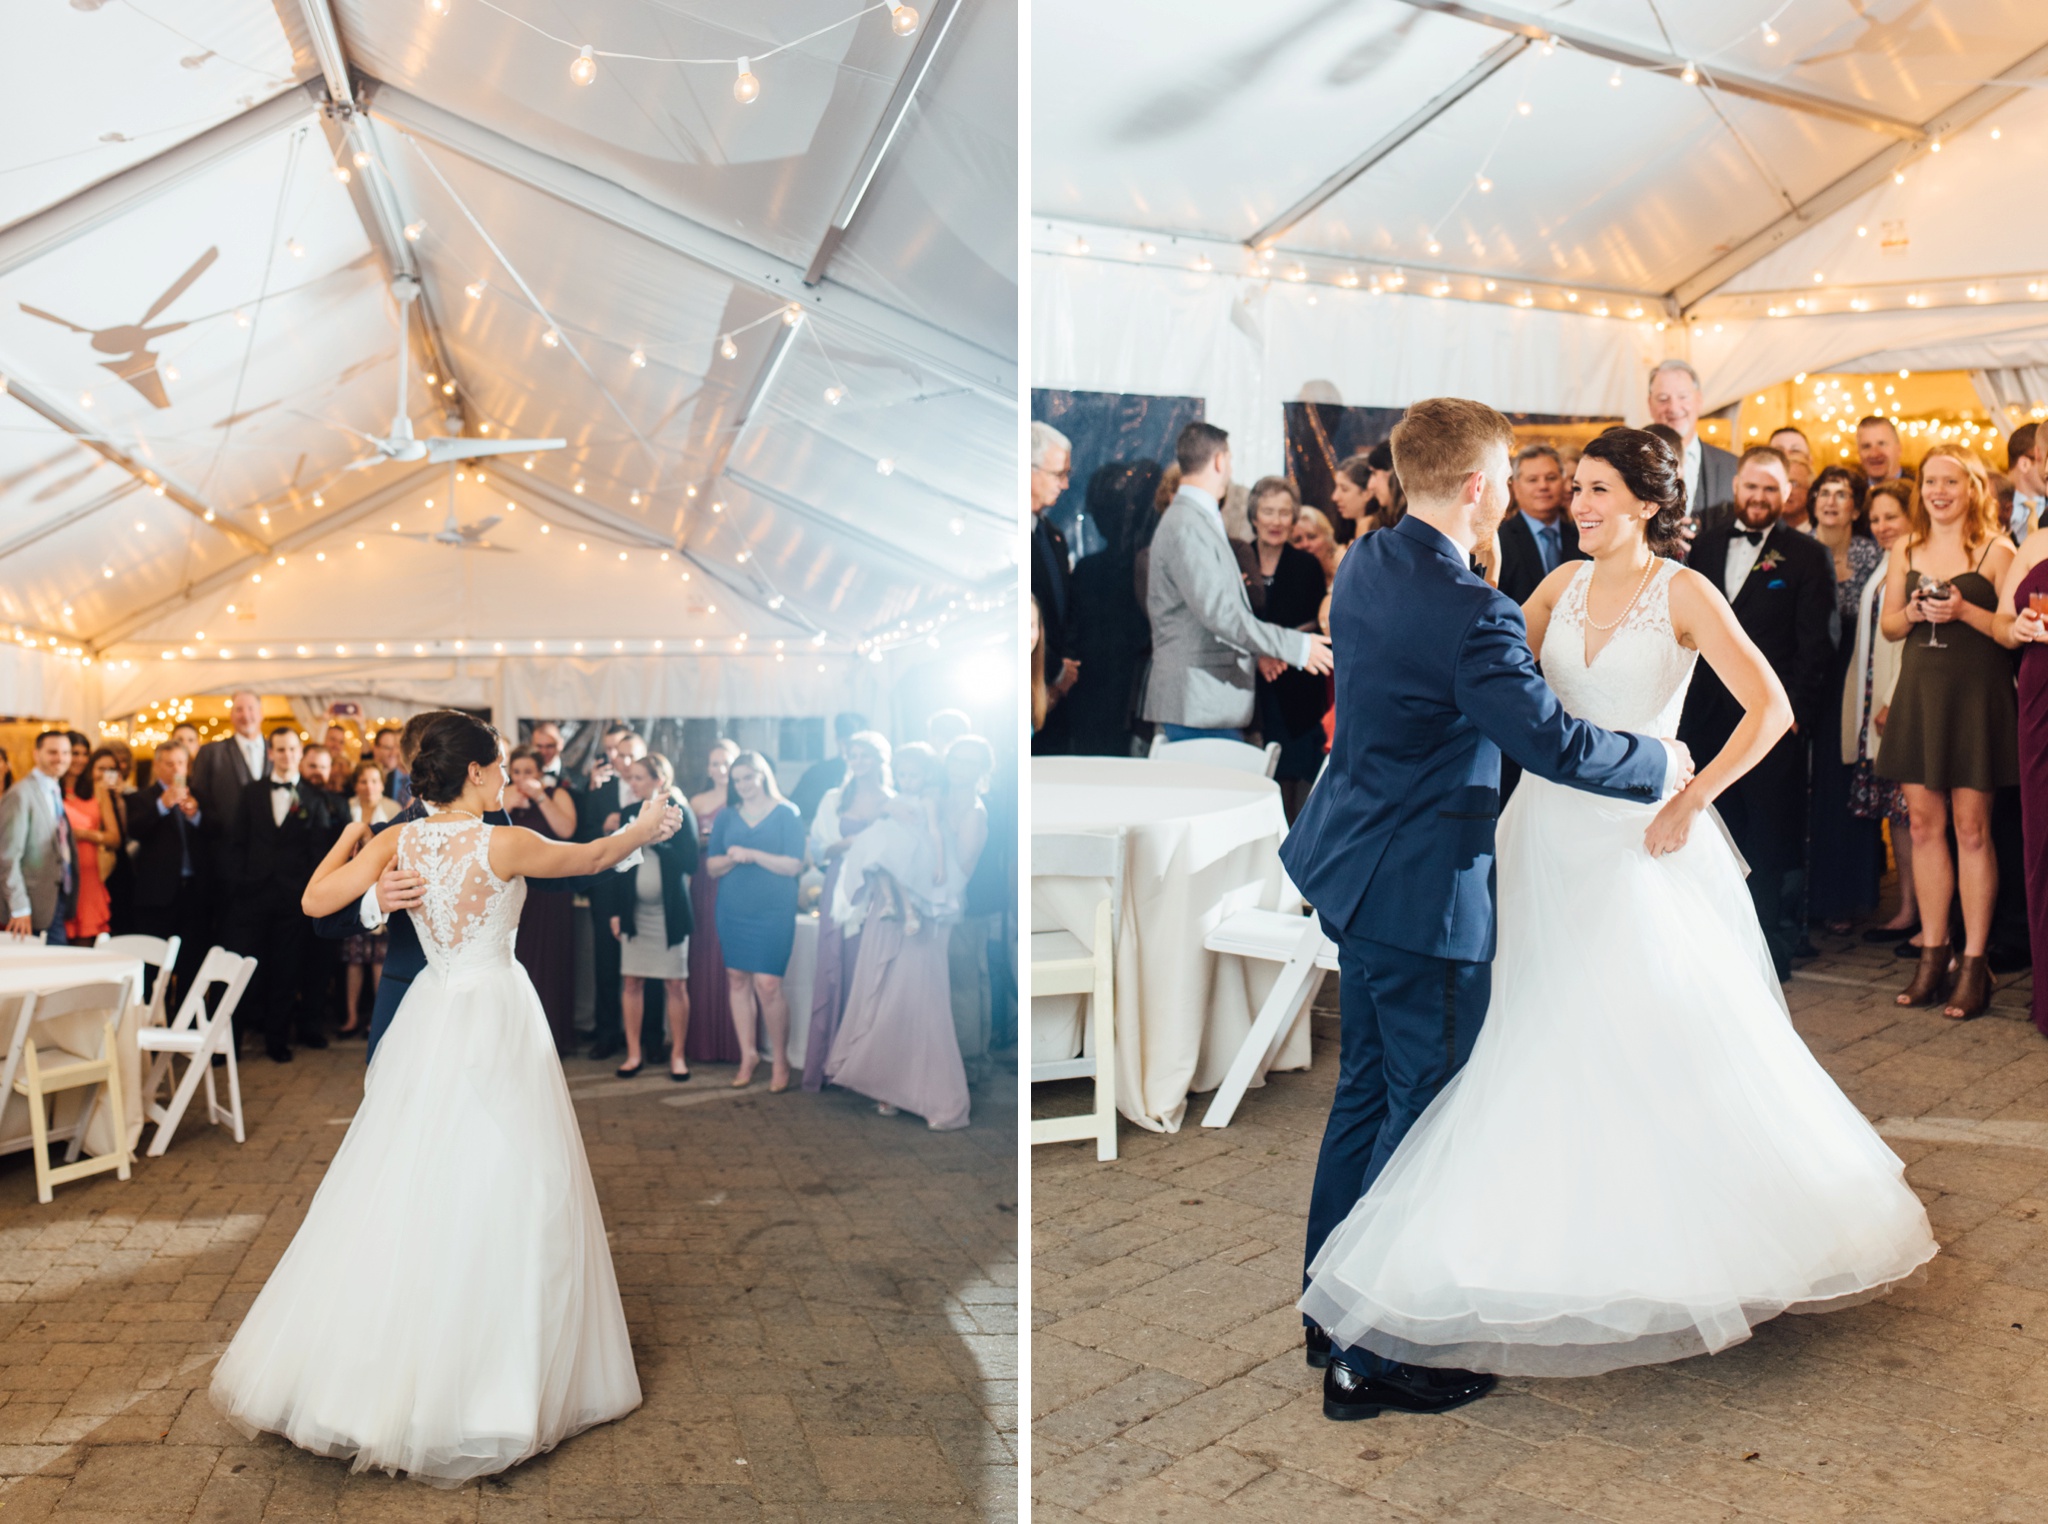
(1931, 982)
(1973, 989)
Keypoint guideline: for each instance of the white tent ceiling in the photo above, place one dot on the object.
(196, 328)
(1592, 168)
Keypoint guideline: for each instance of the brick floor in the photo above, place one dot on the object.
(823, 1307)
(1168, 1384)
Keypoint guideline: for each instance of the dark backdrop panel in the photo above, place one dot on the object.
(1107, 428)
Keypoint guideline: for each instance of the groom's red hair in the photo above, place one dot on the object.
(1441, 441)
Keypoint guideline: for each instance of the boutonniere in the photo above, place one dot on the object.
(1770, 560)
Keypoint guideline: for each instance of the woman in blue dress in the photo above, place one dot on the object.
(757, 851)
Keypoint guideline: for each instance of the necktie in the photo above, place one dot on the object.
(1553, 546)
(65, 852)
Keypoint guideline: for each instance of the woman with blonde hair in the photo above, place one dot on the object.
(1314, 534)
(1952, 737)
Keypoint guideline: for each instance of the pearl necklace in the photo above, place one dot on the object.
(1604, 628)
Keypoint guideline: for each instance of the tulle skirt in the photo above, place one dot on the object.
(448, 1307)
(1641, 1160)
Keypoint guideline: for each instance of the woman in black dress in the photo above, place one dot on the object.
(1108, 631)
(1286, 587)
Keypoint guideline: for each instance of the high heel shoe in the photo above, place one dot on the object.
(1974, 984)
(1931, 982)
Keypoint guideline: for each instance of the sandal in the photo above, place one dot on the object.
(1974, 984)
(1931, 982)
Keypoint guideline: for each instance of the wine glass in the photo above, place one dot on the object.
(1935, 587)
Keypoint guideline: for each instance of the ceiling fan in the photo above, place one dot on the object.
(458, 536)
(443, 449)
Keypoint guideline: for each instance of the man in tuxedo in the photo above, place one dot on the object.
(1781, 585)
(1537, 536)
(1675, 402)
(2029, 495)
(598, 809)
(282, 827)
(169, 886)
(1052, 467)
(37, 858)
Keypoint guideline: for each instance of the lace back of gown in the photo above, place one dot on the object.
(469, 917)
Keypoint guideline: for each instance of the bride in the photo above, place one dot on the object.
(448, 1308)
(1641, 1160)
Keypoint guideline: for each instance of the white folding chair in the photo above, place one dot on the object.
(195, 1035)
(160, 953)
(1297, 943)
(1061, 964)
(30, 1072)
(1214, 751)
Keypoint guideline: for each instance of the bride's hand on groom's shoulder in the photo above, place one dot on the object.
(1672, 826)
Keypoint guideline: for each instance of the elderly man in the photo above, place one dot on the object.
(1204, 634)
(1781, 585)
(1052, 567)
(1537, 536)
(1675, 402)
(220, 771)
(1878, 450)
(37, 859)
(280, 828)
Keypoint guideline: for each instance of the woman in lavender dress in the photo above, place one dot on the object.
(712, 1039)
(843, 814)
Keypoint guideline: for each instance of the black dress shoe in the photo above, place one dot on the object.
(312, 1039)
(1888, 933)
(1316, 1347)
(1405, 1389)
(280, 1053)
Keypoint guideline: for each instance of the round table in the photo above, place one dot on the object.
(26, 966)
(1201, 842)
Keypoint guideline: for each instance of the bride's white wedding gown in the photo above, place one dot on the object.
(448, 1307)
(1641, 1160)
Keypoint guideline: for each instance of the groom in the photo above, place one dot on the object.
(1395, 846)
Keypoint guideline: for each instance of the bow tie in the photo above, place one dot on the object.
(1754, 536)
(289, 788)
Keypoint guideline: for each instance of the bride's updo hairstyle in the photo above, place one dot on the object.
(1652, 472)
(451, 741)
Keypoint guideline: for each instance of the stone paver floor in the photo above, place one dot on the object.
(822, 1301)
(1168, 1384)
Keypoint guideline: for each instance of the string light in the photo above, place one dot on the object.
(746, 89)
(902, 20)
(885, 467)
(1691, 74)
(552, 339)
(294, 248)
(474, 289)
(413, 230)
(834, 395)
(793, 314)
(727, 348)
(1770, 35)
(639, 359)
(584, 69)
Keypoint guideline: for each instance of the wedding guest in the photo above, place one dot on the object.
(1952, 736)
(37, 855)
(2021, 625)
(757, 846)
(1537, 536)
(1041, 694)
(547, 922)
(1708, 470)
(822, 777)
(945, 727)
(1286, 587)
(546, 741)
(336, 742)
(397, 781)
(169, 887)
(1312, 533)
(1781, 587)
(1798, 512)
(842, 815)
(1357, 494)
(116, 760)
(281, 828)
(1110, 635)
(1793, 445)
(897, 1045)
(186, 734)
(326, 961)
(1846, 849)
(712, 1038)
(6, 772)
(2029, 494)
(1204, 635)
(365, 950)
(1878, 452)
(96, 836)
(316, 766)
(1052, 467)
(649, 913)
(599, 810)
(220, 771)
(1866, 703)
(970, 762)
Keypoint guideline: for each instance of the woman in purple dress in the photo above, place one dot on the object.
(2020, 625)
(546, 946)
(712, 1039)
(843, 814)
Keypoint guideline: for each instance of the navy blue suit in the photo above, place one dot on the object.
(1395, 846)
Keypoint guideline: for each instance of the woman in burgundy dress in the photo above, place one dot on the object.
(2018, 625)
(843, 814)
(711, 1037)
(547, 922)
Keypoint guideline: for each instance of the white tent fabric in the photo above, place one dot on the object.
(1770, 183)
(206, 205)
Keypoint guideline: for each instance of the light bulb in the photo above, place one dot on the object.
(551, 338)
(727, 348)
(1614, 79)
(241, 318)
(170, 372)
(885, 466)
(792, 315)
(474, 290)
(413, 231)
(360, 160)
(1691, 75)
(639, 359)
(438, 7)
(319, 501)
(296, 249)
(1770, 35)
(834, 395)
(1523, 108)
(342, 174)
(584, 69)
(902, 20)
(1484, 184)
(746, 89)
(1435, 247)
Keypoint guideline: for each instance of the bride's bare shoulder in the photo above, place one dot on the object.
(1552, 587)
(1694, 602)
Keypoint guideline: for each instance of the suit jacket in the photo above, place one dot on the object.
(33, 871)
(1434, 681)
(1716, 507)
(1052, 585)
(1788, 609)
(1204, 634)
(616, 894)
(266, 857)
(1521, 559)
(219, 774)
(162, 841)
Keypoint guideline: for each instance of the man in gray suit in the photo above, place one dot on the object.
(36, 856)
(1675, 401)
(1204, 634)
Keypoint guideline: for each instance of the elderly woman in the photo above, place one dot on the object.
(1846, 850)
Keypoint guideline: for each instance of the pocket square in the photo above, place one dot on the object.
(1779, 583)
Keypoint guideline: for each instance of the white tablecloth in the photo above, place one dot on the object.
(1203, 842)
(26, 966)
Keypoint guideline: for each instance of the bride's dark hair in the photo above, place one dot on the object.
(449, 743)
(1653, 473)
